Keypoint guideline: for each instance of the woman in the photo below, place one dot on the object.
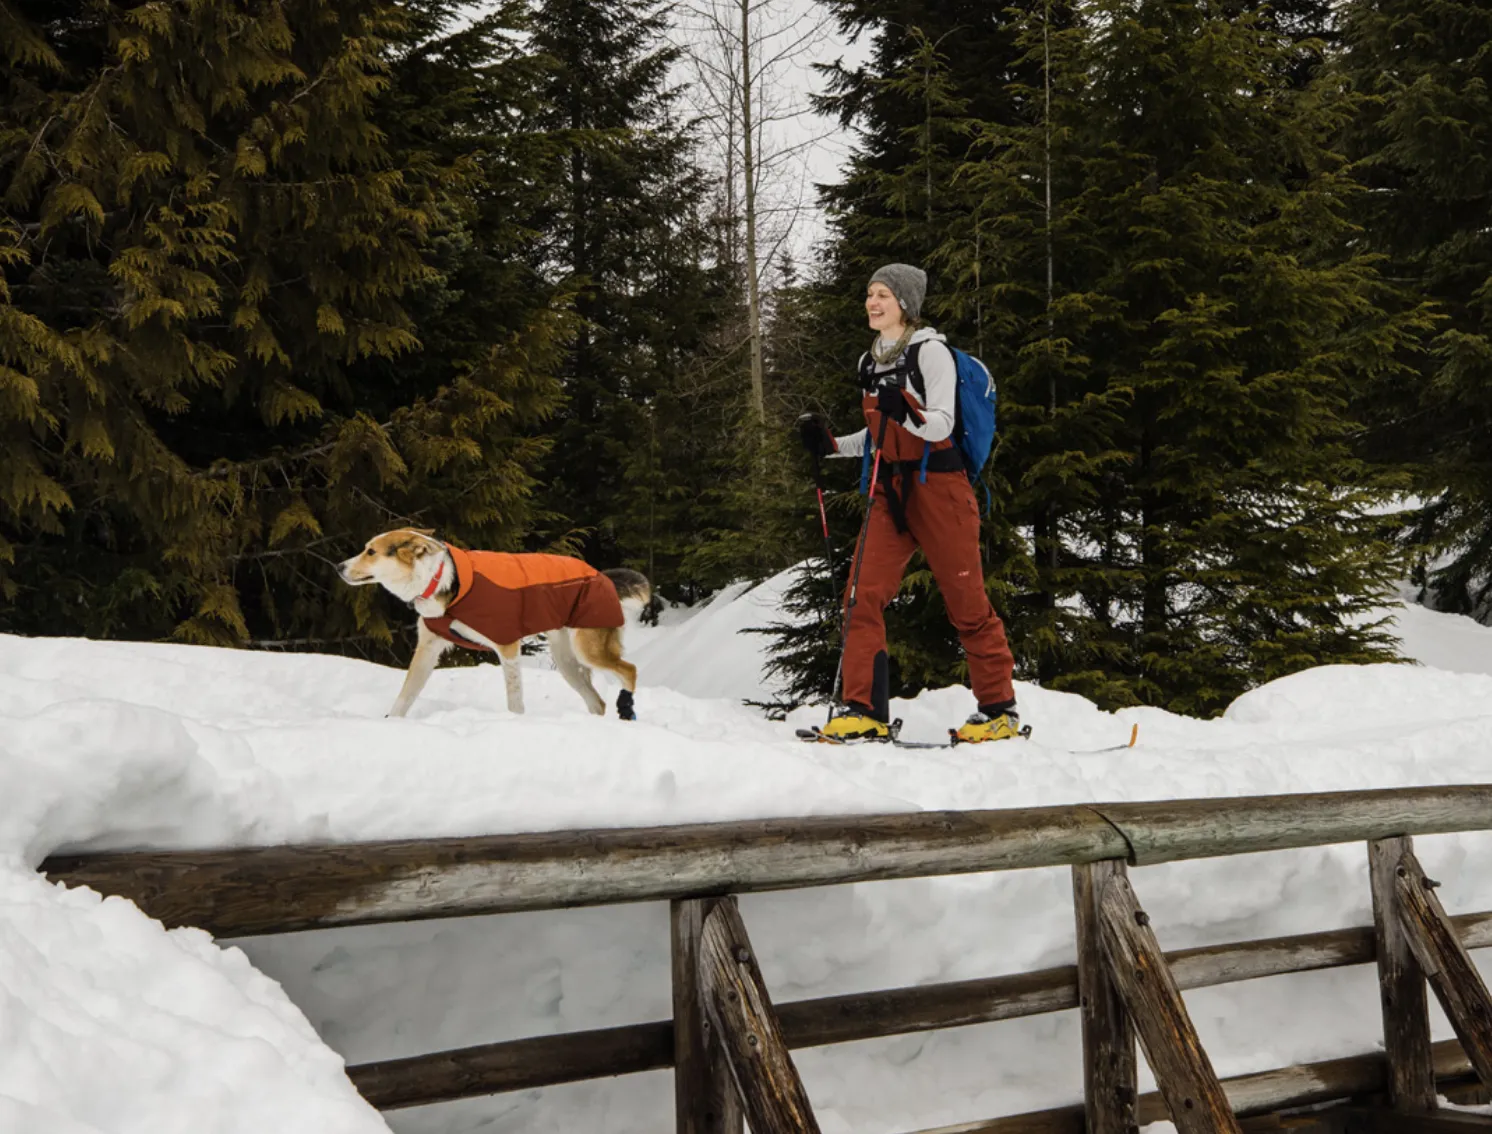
(923, 499)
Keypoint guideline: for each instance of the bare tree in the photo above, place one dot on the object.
(748, 59)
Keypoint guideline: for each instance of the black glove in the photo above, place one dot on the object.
(816, 436)
(893, 403)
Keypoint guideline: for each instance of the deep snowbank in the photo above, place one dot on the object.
(108, 1023)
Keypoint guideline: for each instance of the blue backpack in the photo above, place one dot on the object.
(974, 415)
(974, 410)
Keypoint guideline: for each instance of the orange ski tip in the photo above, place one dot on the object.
(1134, 735)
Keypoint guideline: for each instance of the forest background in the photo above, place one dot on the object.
(279, 274)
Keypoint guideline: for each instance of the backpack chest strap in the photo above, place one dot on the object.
(905, 373)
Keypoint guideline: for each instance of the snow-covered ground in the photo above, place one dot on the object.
(109, 1024)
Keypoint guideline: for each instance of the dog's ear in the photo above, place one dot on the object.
(424, 532)
(410, 548)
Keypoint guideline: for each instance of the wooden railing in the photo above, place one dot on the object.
(730, 1046)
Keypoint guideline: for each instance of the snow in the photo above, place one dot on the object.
(110, 1024)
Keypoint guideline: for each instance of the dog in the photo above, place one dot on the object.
(489, 600)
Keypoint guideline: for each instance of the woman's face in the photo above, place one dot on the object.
(882, 310)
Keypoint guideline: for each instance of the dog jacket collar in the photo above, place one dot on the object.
(435, 582)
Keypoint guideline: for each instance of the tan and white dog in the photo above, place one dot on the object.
(485, 600)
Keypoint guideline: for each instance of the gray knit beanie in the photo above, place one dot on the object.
(907, 283)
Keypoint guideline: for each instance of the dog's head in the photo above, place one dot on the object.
(392, 559)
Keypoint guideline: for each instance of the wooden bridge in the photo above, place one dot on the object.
(730, 1045)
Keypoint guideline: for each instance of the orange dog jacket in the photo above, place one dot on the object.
(508, 596)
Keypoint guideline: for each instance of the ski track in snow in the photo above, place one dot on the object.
(109, 1024)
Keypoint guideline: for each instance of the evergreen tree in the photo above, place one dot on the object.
(935, 65)
(1421, 141)
(209, 244)
(676, 509)
(626, 228)
(1239, 541)
(1034, 315)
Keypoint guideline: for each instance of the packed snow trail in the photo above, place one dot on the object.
(109, 1024)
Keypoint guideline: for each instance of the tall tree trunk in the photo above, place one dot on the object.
(748, 172)
(927, 139)
(732, 207)
(1054, 549)
(1154, 592)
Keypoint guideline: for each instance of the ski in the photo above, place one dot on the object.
(814, 735)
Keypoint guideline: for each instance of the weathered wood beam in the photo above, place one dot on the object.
(1445, 963)
(927, 1007)
(1401, 986)
(771, 1091)
(705, 1099)
(517, 1065)
(544, 1061)
(1377, 1120)
(1367, 1120)
(1110, 1068)
(1167, 831)
(1305, 1084)
(1184, 1074)
(283, 889)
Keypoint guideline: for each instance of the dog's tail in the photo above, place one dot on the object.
(632, 587)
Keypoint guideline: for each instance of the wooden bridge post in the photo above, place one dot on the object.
(1446, 964)
(1406, 1013)
(705, 1099)
(747, 1029)
(1110, 1083)
(1184, 1074)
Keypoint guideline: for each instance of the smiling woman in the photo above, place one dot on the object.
(920, 498)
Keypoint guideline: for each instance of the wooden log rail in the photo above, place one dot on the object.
(544, 1061)
(244, 892)
(1306, 1084)
(730, 1044)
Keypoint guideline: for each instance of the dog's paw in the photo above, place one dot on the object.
(624, 708)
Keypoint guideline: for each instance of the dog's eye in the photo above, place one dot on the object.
(370, 551)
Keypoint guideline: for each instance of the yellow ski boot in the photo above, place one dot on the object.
(979, 728)
(853, 723)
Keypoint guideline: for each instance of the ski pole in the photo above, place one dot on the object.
(818, 483)
(849, 604)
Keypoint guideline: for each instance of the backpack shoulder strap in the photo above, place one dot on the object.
(914, 371)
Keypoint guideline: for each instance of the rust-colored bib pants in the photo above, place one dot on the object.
(942, 518)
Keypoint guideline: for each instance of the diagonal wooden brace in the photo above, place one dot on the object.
(747, 1029)
(1138, 968)
(1446, 964)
